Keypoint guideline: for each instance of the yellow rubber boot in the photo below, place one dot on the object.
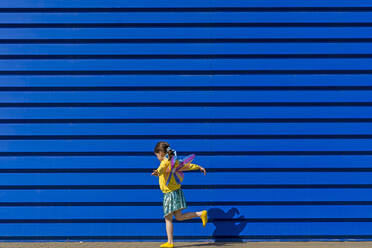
(204, 217)
(167, 245)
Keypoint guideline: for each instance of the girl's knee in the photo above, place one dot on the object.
(169, 217)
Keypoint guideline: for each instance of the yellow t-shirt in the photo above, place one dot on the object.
(163, 176)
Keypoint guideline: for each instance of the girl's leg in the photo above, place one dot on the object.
(169, 227)
(186, 216)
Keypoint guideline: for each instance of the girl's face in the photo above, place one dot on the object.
(160, 155)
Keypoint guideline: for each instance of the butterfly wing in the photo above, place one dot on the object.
(177, 168)
(172, 170)
(186, 162)
(178, 172)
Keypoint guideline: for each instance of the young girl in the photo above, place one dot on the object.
(173, 198)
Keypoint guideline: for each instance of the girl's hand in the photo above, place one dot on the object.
(202, 169)
(155, 173)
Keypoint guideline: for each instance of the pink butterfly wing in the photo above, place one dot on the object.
(187, 161)
(180, 175)
(173, 161)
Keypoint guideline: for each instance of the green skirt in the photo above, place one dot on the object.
(173, 201)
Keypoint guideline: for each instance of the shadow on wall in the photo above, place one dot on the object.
(227, 230)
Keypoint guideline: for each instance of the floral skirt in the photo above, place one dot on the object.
(173, 201)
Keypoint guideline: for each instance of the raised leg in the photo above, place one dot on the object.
(186, 216)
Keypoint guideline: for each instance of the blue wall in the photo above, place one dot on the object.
(274, 97)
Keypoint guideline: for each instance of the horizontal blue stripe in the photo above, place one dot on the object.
(186, 145)
(159, 113)
(210, 170)
(143, 212)
(189, 238)
(180, 72)
(190, 80)
(188, 187)
(190, 3)
(353, 228)
(211, 221)
(183, 9)
(184, 25)
(206, 153)
(192, 104)
(191, 203)
(184, 40)
(181, 17)
(187, 64)
(187, 49)
(249, 178)
(164, 129)
(185, 56)
(149, 162)
(181, 88)
(211, 33)
(200, 120)
(187, 137)
(186, 96)
(191, 195)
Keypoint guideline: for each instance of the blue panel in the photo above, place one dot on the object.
(151, 162)
(182, 3)
(189, 96)
(187, 17)
(191, 129)
(117, 212)
(202, 145)
(187, 49)
(149, 212)
(189, 113)
(212, 179)
(69, 169)
(186, 33)
(184, 229)
(140, 197)
(186, 64)
(190, 80)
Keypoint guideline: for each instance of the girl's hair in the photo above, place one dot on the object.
(162, 146)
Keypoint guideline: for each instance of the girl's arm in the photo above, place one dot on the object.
(194, 167)
(160, 169)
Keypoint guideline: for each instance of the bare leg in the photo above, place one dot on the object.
(186, 216)
(169, 227)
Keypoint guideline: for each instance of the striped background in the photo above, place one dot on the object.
(273, 96)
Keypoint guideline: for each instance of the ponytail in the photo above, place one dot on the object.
(171, 153)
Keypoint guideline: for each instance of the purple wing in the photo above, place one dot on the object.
(173, 161)
(177, 172)
(187, 161)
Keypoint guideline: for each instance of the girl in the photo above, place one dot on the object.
(173, 198)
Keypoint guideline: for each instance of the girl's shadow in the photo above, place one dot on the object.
(228, 228)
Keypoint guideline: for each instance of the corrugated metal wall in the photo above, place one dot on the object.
(273, 96)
